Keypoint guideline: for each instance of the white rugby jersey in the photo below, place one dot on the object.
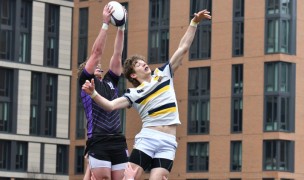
(156, 100)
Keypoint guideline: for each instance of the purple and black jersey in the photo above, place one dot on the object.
(99, 121)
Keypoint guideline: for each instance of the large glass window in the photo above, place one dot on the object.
(15, 30)
(81, 118)
(5, 153)
(198, 156)
(237, 99)
(159, 31)
(280, 26)
(83, 35)
(279, 96)
(51, 35)
(13, 155)
(199, 100)
(21, 156)
(62, 159)
(236, 156)
(43, 104)
(201, 45)
(6, 90)
(278, 155)
(238, 28)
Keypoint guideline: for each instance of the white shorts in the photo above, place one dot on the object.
(96, 163)
(156, 144)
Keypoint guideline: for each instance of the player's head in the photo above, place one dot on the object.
(98, 71)
(132, 70)
(80, 68)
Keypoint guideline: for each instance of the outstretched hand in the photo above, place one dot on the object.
(201, 15)
(107, 11)
(89, 87)
(130, 173)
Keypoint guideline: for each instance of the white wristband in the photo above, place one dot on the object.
(93, 94)
(105, 26)
(194, 24)
(123, 27)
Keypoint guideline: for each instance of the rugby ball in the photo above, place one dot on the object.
(118, 17)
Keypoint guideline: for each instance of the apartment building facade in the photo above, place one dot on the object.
(35, 78)
(239, 90)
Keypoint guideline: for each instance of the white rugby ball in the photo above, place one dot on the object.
(118, 16)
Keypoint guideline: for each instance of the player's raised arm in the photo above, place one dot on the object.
(115, 63)
(118, 103)
(100, 42)
(187, 39)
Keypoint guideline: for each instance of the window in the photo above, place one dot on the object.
(25, 31)
(5, 149)
(237, 99)
(279, 96)
(199, 100)
(15, 27)
(236, 156)
(198, 156)
(81, 117)
(201, 45)
(278, 155)
(43, 104)
(125, 49)
(238, 28)
(83, 35)
(159, 31)
(13, 155)
(79, 165)
(21, 156)
(122, 112)
(122, 80)
(51, 35)
(6, 99)
(280, 26)
(62, 159)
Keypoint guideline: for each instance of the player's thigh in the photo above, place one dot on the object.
(87, 175)
(158, 173)
(139, 171)
(101, 173)
(118, 174)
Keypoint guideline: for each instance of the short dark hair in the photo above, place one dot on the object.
(80, 68)
(129, 65)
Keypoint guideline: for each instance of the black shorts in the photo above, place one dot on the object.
(146, 162)
(115, 156)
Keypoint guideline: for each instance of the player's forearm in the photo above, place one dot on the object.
(119, 42)
(187, 39)
(183, 47)
(101, 101)
(115, 63)
(100, 42)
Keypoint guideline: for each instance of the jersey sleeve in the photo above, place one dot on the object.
(84, 76)
(130, 96)
(166, 70)
(110, 76)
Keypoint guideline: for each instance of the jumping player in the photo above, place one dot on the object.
(106, 145)
(154, 98)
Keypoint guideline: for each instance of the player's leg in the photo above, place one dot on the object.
(139, 159)
(87, 175)
(160, 168)
(162, 162)
(119, 159)
(100, 168)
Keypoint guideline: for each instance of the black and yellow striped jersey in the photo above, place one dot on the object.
(156, 100)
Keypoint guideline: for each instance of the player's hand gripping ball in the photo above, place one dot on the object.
(118, 17)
